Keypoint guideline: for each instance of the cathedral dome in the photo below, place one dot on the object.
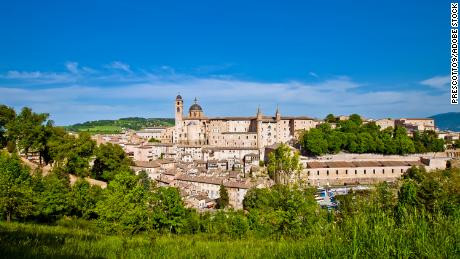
(195, 107)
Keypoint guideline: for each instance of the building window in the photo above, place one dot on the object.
(317, 173)
(356, 171)
(308, 173)
(336, 171)
(327, 172)
(346, 171)
(373, 171)
(401, 170)
(364, 171)
(392, 171)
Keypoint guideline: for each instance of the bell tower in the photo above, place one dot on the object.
(179, 109)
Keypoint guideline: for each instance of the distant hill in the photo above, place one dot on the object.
(447, 121)
(116, 126)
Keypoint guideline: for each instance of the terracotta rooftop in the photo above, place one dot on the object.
(146, 164)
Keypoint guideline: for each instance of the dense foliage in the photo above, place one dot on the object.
(223, 200)
(355, 137)
(32, 133)
(283, 162)
(407, 220)
(419, 217)
(116, 126)
(109, 160)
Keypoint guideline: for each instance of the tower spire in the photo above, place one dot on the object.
(259, 113)
(277, 113)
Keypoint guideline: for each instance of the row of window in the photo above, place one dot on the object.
(356, 171)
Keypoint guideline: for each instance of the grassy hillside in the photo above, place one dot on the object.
(447, 121)
(116, 126)
(19, 240)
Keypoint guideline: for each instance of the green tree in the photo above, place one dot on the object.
(124, 208)
(335, 141)
(7, 115)
(29, 131)
(456, 144)
(355, 118)
(330, 118)
(281, 210)
(167, 210)
(283, 162)
(71, 153)
(314, 142)
(404, 144)
(83, 199)
(223, 200)
(110, 159)
(16, 193)
(53, 198)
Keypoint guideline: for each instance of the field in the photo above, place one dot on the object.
(116, 126)
(101, 129)
(26, 240)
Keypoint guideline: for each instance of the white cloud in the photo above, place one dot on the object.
(72, 67)
(37, 77)
(437, 82)
(110, 95)
(120, 66)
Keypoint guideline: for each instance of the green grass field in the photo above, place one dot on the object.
(101, 129)
(20, 240)
(116, 126)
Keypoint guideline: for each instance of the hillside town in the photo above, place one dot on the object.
(200, 153)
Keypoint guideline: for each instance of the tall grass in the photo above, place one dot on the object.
(377, 236)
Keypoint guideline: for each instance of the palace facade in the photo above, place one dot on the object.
(257, 131)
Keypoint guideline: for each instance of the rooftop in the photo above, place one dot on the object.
(345, 164)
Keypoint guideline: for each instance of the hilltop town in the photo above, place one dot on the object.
(200, 153)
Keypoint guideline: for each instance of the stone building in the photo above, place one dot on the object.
(149, 133)
(385, 123)
(416, 124)
(243, 132)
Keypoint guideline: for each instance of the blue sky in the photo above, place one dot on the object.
(89, 60)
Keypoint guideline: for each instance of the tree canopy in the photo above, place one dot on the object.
(355, 137)
(282, 163)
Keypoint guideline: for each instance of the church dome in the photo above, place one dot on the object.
(178, 97)
(195, 107)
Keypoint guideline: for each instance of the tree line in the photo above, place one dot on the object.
(28, 132)
(354, 136)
